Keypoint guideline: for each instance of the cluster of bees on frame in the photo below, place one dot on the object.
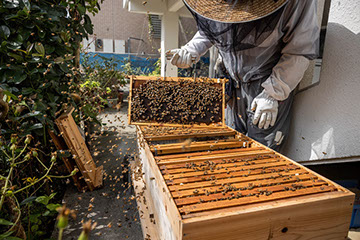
(260, 176)
(180, 102)
(161, 131)
(227, 191)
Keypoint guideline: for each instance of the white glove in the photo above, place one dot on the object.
(266, 110)
(182, 58)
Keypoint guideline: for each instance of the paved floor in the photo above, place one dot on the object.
(354, 234)
(112, 207)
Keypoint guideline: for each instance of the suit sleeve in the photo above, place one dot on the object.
(301, 44)
(198, 45)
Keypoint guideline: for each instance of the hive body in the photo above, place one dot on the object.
(224, 185)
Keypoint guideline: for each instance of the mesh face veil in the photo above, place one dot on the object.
(233, 37)
(236, 41)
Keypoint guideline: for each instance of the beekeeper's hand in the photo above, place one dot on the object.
(182, 58)
(266, 110)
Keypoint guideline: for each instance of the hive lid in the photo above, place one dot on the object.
(176, 101)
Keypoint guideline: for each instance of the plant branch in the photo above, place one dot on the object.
(41, 163)
(40, 179)
(7, 181)
(22, 151)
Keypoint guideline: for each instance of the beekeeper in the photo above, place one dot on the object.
(265, 46)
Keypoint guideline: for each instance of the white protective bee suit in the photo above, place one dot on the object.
(265, 59)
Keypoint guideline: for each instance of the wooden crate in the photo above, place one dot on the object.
(137, 81)
(93, 175)
(224, 185)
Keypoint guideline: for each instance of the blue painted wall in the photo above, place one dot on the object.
(145, 64)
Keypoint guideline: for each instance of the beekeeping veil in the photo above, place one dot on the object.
(240, 18)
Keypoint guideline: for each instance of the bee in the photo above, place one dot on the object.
(186, 144)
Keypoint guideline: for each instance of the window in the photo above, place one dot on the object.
(154, 26)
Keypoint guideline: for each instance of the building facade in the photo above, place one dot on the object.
(117, 30)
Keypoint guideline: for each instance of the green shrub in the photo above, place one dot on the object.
(39, 59)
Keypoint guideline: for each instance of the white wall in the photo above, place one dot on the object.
(326, 118)
(120, 46)
(108, 46)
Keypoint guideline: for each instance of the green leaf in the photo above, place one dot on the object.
(32, 114)
(11, 16)
(32, 72)
(88, 25)
(19, 39)
(12, 238)
(59, 60)
(46, 213)
(10, 95)
(27, 91)
(49, 49)
(65, 36)
(19, 78)
(6, 235)
(41, 34)
(16, 56)
(53, 206)
(40, 49)
(69, 57)
(5, 222)
(64, 68)
(28, 200)
(4, 32)
(29, 47)
(11, 4)
(13, 45)
(26, 4)
(34, 228)
(81, 9)
(43, 200)
(34, 127)
(34, 218)
(52, 195)
(40, 106)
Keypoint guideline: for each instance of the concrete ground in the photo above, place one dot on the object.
(354, 234)
(113, 207)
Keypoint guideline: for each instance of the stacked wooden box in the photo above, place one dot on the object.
(215, 183)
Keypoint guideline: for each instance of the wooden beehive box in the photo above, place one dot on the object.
(223, 185)
(157, 110)
(204, 181)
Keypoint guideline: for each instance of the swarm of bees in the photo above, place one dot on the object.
(161, 131)
(181, 102)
